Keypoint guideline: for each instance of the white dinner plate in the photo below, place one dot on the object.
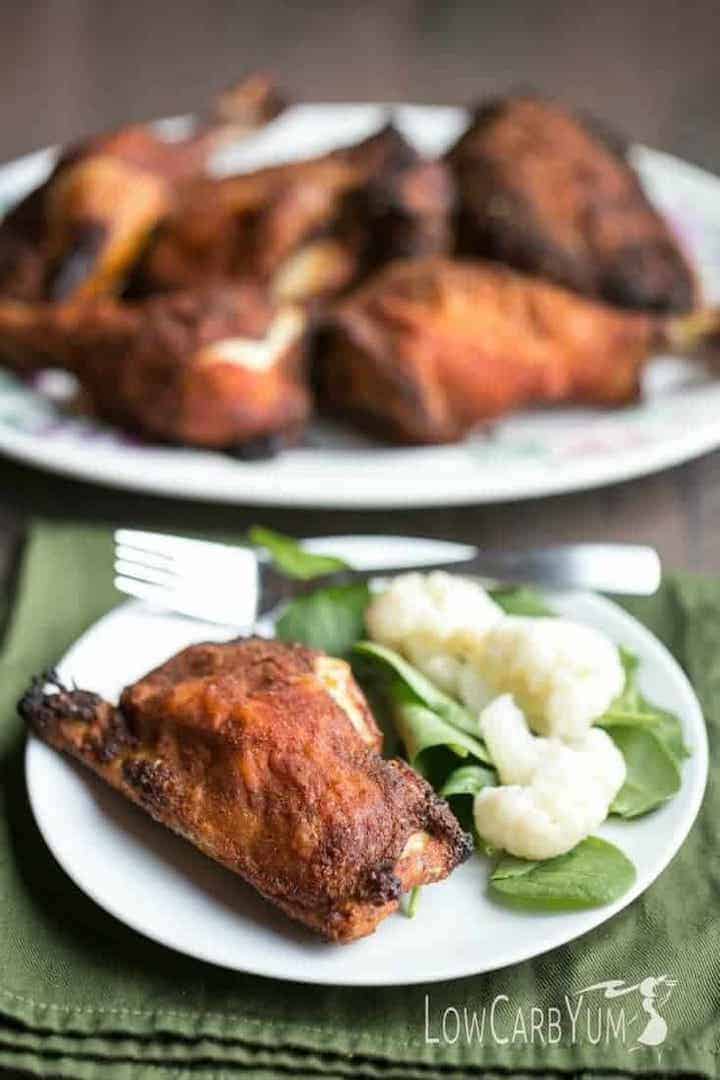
(161, 886)
(536, 452)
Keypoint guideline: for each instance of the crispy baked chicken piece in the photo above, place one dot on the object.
(306, 228)
(265, 757)
(78, 235)
(429, 349)
(23, 238)
(219, 367)
(549, 193)
(243, 226)
(403, 211)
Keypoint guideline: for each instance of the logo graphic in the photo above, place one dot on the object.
(654, 993)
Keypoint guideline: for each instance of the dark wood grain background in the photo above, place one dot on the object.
(650, 70)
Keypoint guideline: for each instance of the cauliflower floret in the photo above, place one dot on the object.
(435, 620)
(442, 668)
(553, 793)
(562, 674)
(514, 750)
(473, 690)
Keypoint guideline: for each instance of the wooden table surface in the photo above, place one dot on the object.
(73, 66)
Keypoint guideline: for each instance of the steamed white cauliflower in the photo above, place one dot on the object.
(554, 790)
(435, 620)
(562, 674)
(553, 793)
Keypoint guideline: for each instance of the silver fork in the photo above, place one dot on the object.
(234, 586)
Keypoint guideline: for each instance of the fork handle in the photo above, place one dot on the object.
(629, 569)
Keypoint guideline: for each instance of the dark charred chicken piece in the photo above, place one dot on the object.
(218, 367)
(546, 192)
(265, 757)
(429, 349)
(404, 211)
(23, 244)
(306, 228)
(240, 226)
(400, 208)
(79, 234)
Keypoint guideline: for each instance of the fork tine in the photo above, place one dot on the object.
(189, 595)
(144, 558)
(191, 558)
(142, 590)
(162, 544)
(212, 582)
(150, 574)
(212, 577)
(210, 608)
(192, 565)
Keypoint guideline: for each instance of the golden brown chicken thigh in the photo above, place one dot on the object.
(80, 233)
(242, 226)
(545, 192)
(265, 756)
(220, 367)
(306, 228)
(429, 349)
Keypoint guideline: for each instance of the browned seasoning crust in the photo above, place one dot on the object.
(544, 191)
(265, 756)
(428, 349)
(161, 368)
(242, 226)
(131, 268)
(403, 211)
(306, 228)
(79, 235)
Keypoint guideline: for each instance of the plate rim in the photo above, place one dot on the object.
(28, 450)
(599, 916)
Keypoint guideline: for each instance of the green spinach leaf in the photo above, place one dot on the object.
(595, 872)
(432, 746)
(413, 902)
(631, 709)
(460, 789)
(652, 773)
(650, 739)
(290, 557)
(520, 600)
(331, 619)
(421, 689)
(629, 699)
(468, 780)
(664, 726)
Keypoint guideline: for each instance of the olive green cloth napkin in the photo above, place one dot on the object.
(82, 996)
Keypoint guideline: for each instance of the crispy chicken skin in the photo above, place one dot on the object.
(80, 233)
(248, 751)
(242, 226)
(218, 367)
(22, 248)
(403, 211)
(429, 349)
(546, 192)
(307, 228)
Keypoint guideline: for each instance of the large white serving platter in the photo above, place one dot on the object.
(531, 454)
